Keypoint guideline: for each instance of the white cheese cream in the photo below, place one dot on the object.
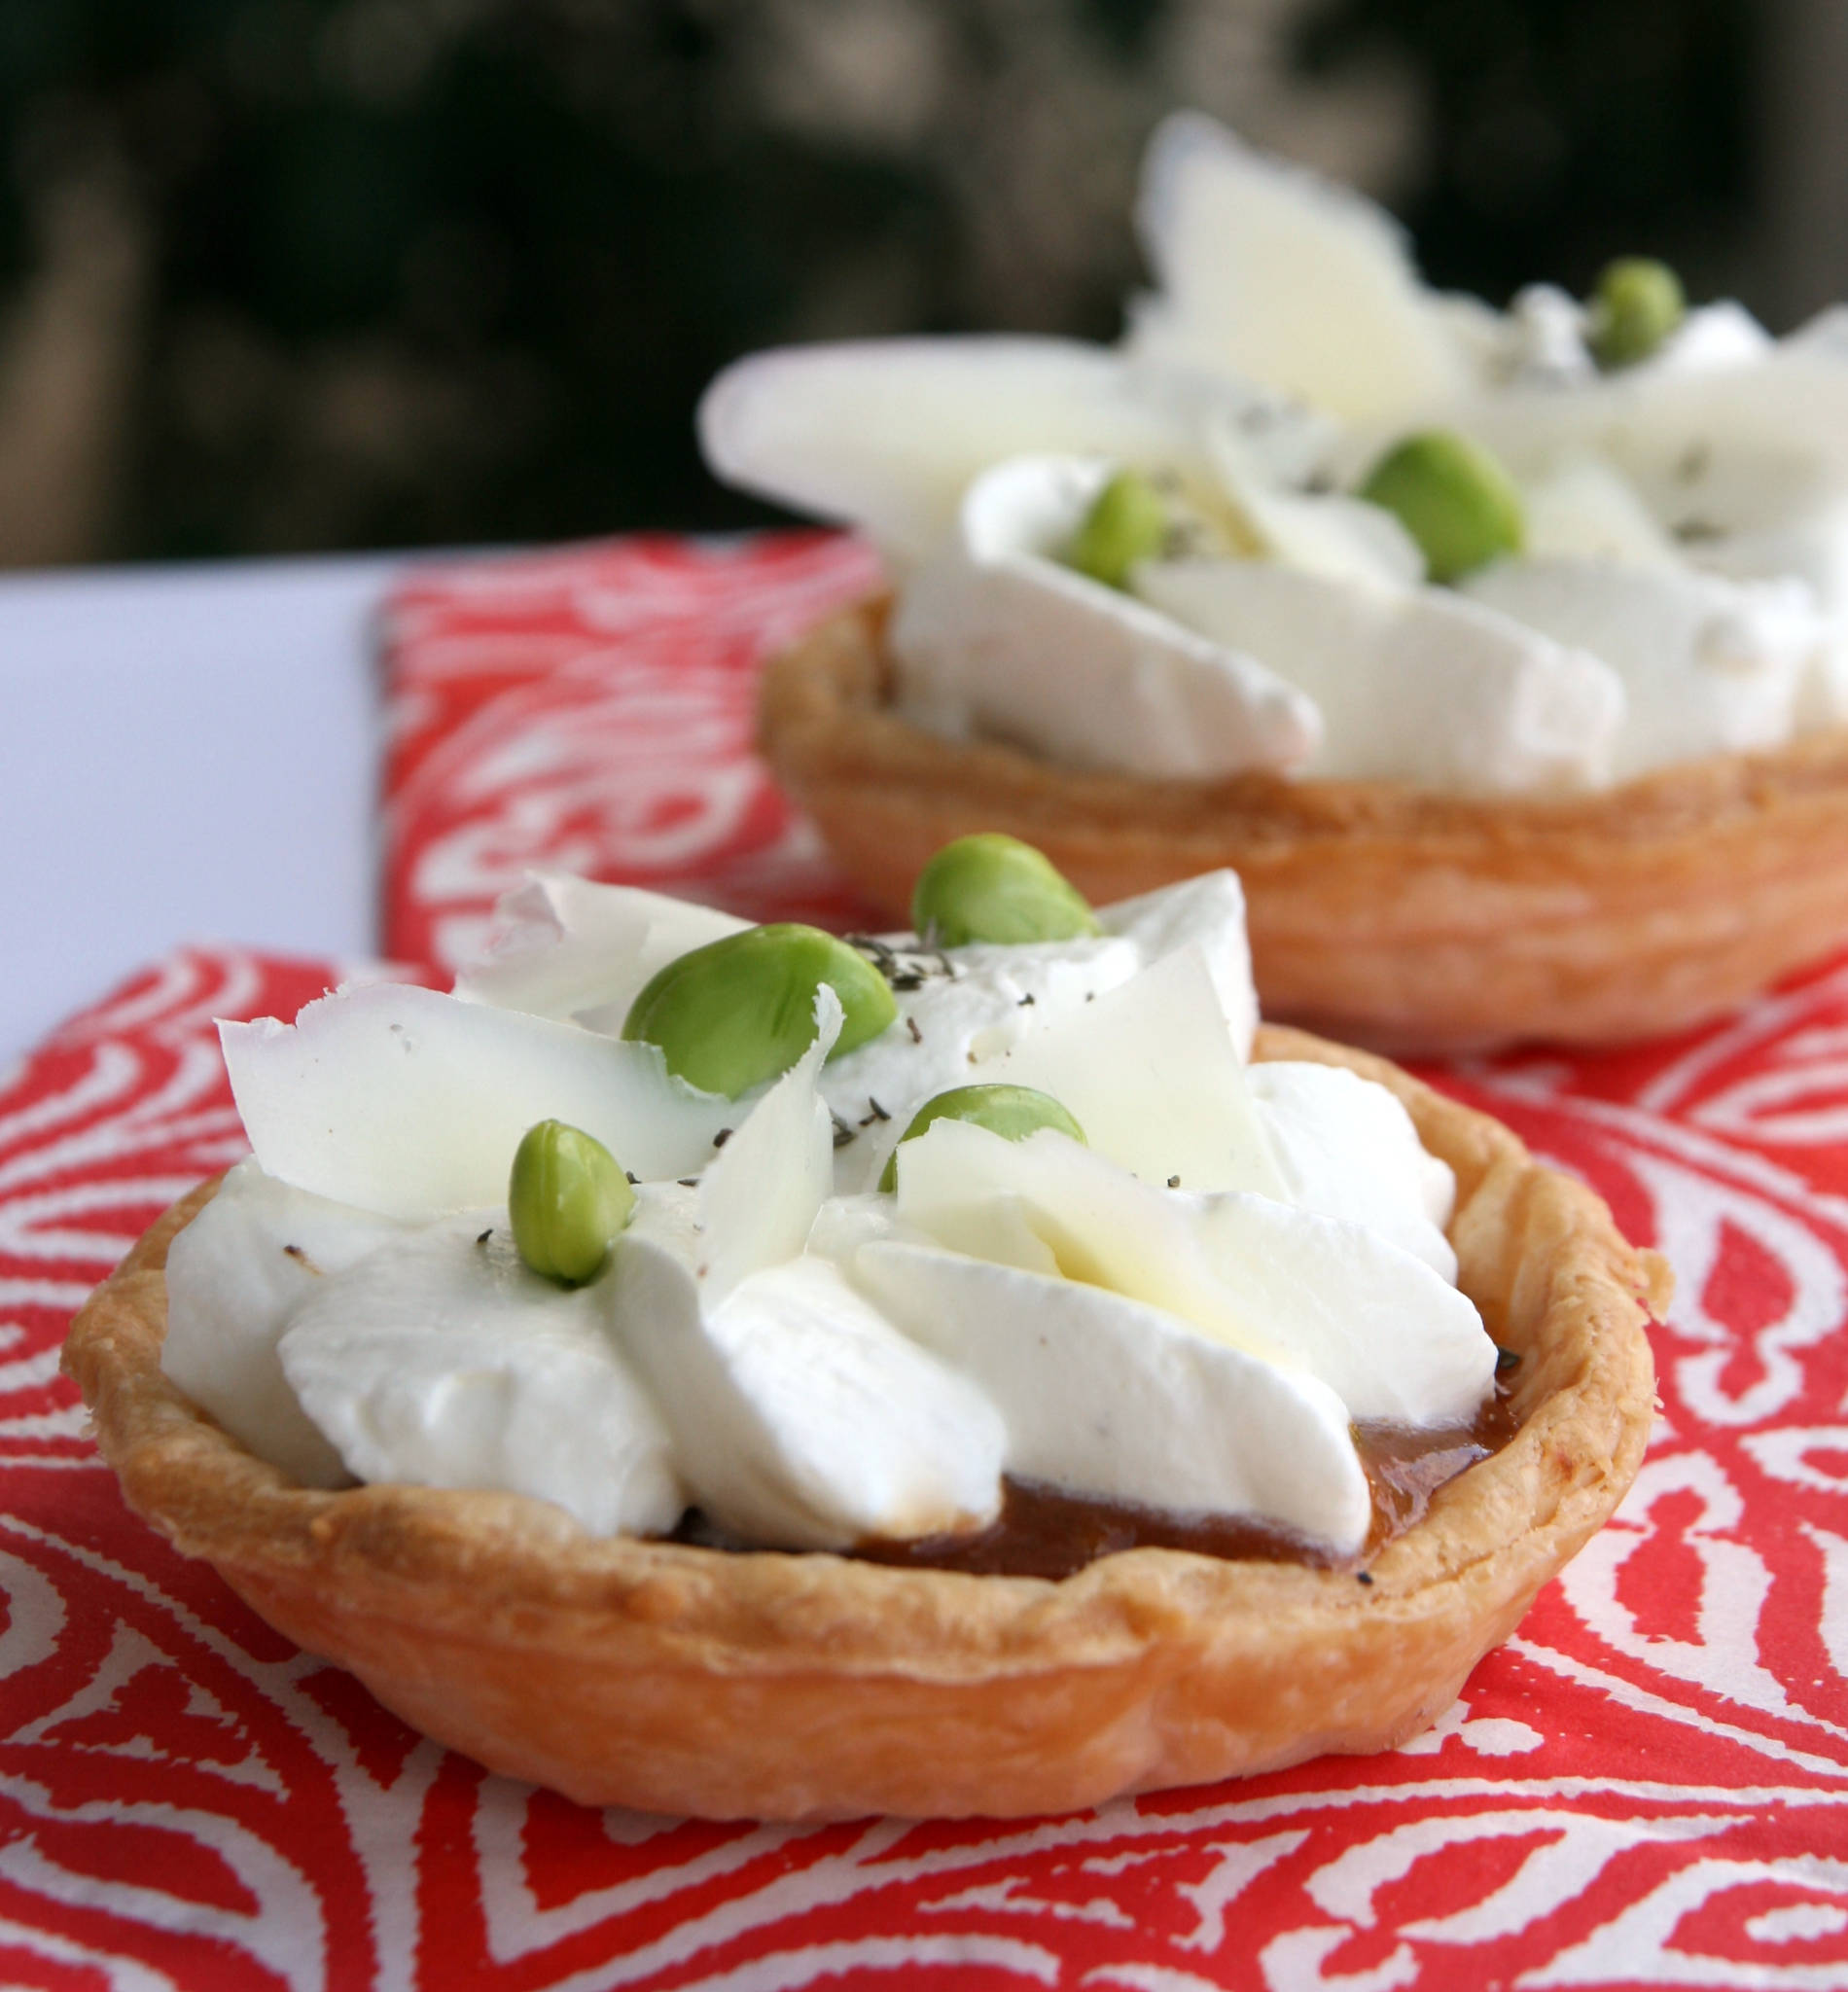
(1682, 589)
(1191, 1312)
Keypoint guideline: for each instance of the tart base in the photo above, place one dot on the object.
(1381, 915)
(770, 1685)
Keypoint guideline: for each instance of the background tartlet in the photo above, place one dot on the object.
(1503, 652)
(679, 1679)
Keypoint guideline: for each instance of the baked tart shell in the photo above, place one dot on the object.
(1378, 914)
(684, 1679)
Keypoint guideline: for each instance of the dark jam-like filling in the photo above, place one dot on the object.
(1043, 1532)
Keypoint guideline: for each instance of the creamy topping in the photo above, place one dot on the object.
(1345, 1148)
(1707, 666)
(442, 1360)
(803, 1416)
(236, 1275)
(1681, 586)
(1413, 684)
(1137, 1408)
(1188, 1312)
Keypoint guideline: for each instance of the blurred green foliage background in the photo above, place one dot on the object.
(292, 274)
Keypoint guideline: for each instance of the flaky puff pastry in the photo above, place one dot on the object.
(773, 1685)
(1379, 914)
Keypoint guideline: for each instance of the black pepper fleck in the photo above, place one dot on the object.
(1694, 532)
(1363, 1577)
(911, 1024)
(1174, 1182)
(485, 1236)
(872, 945)
(720, 1139)
(1693, 463)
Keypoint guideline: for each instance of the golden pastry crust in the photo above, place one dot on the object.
(775, 1686)
(1377, 912)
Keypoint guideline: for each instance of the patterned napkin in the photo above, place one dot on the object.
(1646, 1787)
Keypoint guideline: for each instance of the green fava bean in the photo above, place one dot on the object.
(993, 887)
(1013, 1112)
(1127, 522)
(1453, 498)
(1638, 303)
(569, 1201)
(741, 1010)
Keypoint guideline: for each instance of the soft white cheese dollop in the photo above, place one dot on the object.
(803, 1418)
(1708, 665)
(441, 1360)
(236, 1277)
(1414, 684)
(1108, 1397)
(1346, 1147)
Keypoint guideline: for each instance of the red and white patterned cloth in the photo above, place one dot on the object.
(1646, 1787)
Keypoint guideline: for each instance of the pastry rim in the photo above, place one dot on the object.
(483, 1573)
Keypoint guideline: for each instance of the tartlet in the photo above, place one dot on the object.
(767, 1685)
(1392, 916)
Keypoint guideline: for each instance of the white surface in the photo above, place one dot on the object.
(186, 754)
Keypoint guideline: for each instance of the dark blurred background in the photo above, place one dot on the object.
(280, 275)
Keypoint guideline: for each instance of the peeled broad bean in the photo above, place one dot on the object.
(1127, 522)
(1013, 1112)
(1454, 499)
(993, 887)
(741, 1010)
(1638, 303)
(569, 1201)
